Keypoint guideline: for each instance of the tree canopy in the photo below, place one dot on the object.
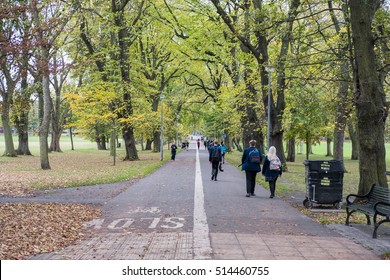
(90, 64)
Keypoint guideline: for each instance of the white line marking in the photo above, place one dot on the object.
(201, 240)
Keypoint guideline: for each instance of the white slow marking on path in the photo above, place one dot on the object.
(201, 240)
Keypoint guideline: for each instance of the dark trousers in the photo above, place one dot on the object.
(272, 186)
(173, 155)
(250, 181)
(214, 168)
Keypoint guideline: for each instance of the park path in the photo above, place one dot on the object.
(179, 213)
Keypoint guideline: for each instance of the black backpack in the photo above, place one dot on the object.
(216, 154)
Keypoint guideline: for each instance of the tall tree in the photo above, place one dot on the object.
(9, 78)
(257, 43)
(49, 20)
(59, 113)
(158, 63)
(370, 98)
(126, 34)
(258, 48)
(343, 98)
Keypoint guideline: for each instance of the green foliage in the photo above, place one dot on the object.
(92, 109)
(184, 50)
(305, 115)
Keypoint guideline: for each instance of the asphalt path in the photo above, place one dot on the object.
(165, 201)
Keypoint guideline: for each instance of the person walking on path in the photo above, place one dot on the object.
(198, 143)
(173, 151)
(272, 169)
(250, 162)
(223, 150)
(215, 157)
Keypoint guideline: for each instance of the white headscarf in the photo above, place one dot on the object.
(271, 155)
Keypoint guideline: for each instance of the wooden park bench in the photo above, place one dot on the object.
(375, 203)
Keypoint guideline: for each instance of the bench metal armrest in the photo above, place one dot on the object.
(354, 195)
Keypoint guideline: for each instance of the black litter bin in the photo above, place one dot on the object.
(324, 182)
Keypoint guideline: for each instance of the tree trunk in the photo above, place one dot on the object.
(148, 146)
(43, 131)
(328, 147)
(22, 127)
(227, 143)
(142, 144)
(56, 128)
(6, 99)
(105, 140)
(131, 150)
(354, 140)
(55, 141)
(71, 138)
(21, 121)
(291, 150)
(8, 139)
(101, 142)
(156, 134)
(370, 97)
(338, 144)
(156, 142)
(112, 143)
(237, 144)
(308, 147)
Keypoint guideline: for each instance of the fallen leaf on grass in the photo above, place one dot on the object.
(34, 228)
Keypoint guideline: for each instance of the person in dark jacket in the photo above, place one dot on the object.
(215, 161)
(251, 168)
(272, 169)
(173, 151)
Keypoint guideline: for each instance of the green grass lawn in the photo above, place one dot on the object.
(78, 142)
(83, 166)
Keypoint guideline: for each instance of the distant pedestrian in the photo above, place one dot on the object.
(198, 143)
(205, 144)
(251, 161)
(215, 157)
(223, 150)
(187, 145)
(173, 151)
(272, 169)
(211, 144)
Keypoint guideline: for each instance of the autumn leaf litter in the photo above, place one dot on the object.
(35, 228)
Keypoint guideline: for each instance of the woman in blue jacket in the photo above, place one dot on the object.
(250, 161)
(272, 169)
